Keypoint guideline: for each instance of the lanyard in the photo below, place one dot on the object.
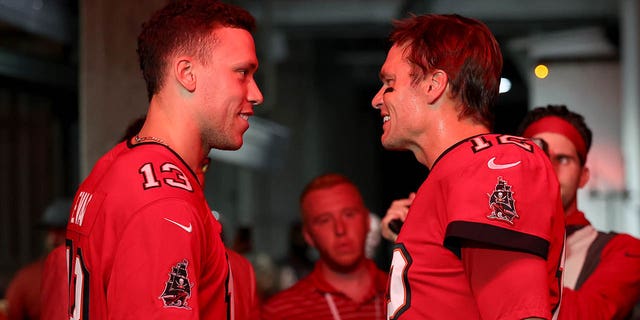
(332, 306)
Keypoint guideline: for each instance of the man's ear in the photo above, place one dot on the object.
(307, 237)
(185, 73)
(584, 176)
(436, 84)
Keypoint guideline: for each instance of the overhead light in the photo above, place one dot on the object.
(541, 71)
(505, 85)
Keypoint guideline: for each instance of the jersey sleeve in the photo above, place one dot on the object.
(613, 288)
(527, 296)
(506, 198)
(157, 262)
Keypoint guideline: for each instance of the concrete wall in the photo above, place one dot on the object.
(112, 91)
(592, 88)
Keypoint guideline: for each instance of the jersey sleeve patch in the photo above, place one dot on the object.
(506, 238)
(177, 290)
(502, 203)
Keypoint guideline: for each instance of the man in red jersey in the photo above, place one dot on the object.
(483, 238)
(142, 242)
(344, 283)
(27, 289)
(602, 270)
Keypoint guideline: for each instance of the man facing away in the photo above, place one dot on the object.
(483, 238)
(602, 270)
(142, 242)
(344, 283)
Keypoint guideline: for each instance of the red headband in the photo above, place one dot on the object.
(558, 125)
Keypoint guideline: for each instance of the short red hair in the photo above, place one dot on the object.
(462, 47)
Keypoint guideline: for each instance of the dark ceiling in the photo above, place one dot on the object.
(38, 38)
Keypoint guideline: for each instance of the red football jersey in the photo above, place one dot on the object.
(245, 303)
(54, 297)
(496, 189)
(23, 293)
(142, 242)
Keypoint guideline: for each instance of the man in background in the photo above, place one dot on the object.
(344, 283)
(602, 270)
(26, 288)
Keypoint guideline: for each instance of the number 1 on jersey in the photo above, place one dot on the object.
(78, 290)
(399, 289)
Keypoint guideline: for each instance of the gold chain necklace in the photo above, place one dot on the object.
(140, 139)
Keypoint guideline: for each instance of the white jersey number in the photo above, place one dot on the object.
(176, 178)
(481, 143)
(78, 290)
(399, 289)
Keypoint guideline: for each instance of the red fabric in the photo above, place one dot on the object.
(23, 292)
(306, 299)
(142, 234)
(489, 268)
(457, 203)
(54, 297)
(245, 296)
(577, 219)
(561, 126)
(613, 288)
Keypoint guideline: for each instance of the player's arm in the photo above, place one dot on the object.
(613, 288)
(506, 284)
(156, 266)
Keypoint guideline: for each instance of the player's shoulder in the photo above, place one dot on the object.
(152, 153)
(492, 151)
(126, 159)
(154, 166)
(500, 143)
(133, 177)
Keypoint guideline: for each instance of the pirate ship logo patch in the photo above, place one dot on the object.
(178, 288)
(502, 203)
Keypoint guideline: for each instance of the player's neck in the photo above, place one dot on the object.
(450, 134)
(174, 130)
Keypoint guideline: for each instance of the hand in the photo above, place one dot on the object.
(397, 211)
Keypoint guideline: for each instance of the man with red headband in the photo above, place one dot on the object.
(602, 270)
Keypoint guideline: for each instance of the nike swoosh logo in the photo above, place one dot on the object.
(492, 165)
(185, 228)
